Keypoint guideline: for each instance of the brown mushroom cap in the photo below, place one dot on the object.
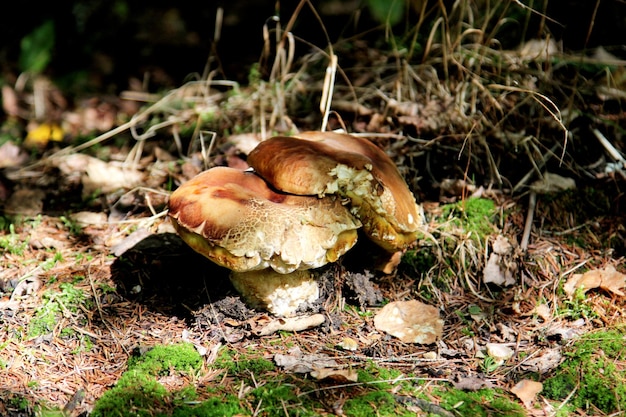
(233, 218)
(323, 163)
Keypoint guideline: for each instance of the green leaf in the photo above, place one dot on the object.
(36, 48)
(387, 11)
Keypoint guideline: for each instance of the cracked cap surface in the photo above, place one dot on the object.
(235, 219)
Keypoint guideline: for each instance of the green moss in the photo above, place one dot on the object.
(135, 394)
(13, 243)
(138, 393)
(474, 215)
(594, 372)
(213, 407)
(484, 402)
(422, 259)
(275, 397)
(242, 364)
(160, 359)
(375, 403)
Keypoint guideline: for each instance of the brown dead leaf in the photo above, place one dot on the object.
(410, 321)
(245, 142)
(97, 175)
(291, 324)
(552, 183)
(543, 312)
(527, 390)
(11, 155)
(336, 375)
(471, 383)
(500, 352)
(500, 269)
(297, 362)
(547, 360)
(608, 279)
(26, 201)
(494, 273)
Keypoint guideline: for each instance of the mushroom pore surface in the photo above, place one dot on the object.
(326, 163)
(233, 218)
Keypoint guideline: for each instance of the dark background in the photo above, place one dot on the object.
(114, 40)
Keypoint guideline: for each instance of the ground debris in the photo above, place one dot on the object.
(527, 390)
(410, 321)
(291, 324)
(365, 291)
(608, 279)
(425, 406)
(471, 383)
(298, 362)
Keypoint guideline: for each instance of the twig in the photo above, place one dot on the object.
(383, 381)
(532, 203)
(615, 154)
(101, 314)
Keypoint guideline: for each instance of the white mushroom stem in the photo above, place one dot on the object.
(280, 294)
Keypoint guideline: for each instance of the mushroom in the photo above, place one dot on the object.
(236, 220)
(280, 294)
(327, 163)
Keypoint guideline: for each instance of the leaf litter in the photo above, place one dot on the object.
(466, 300)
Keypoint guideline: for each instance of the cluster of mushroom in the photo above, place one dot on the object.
(298, 208)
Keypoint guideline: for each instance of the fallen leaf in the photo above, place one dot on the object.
(613, 281)
(526, 390)
(543, 312)
(471, 383)
(500, 269)
(546, 361)
(130, 241)
(291, 324)
(245, 142)
(552, 183)
(297, 362)
(347, 343)
(11, 155)
(499, 352)
(27, 202)
(495, 274)
(26, 287)
(99, 176)
(501, 245)
(410, 321)
(336, 375)
(608, 279)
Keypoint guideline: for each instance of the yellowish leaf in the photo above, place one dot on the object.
(410, 321)
(526, 390)
(42, 134)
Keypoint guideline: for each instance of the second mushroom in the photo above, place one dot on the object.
(270, 233)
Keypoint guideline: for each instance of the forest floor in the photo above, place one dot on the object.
(522, 252)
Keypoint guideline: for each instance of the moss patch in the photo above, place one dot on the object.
(481, 403)
(138, 393)
(594, 370)
(160, 359)
(474, 215)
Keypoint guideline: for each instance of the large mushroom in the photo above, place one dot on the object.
(327, 163)
(236, 220)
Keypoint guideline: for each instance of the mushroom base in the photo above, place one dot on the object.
(280, 294)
